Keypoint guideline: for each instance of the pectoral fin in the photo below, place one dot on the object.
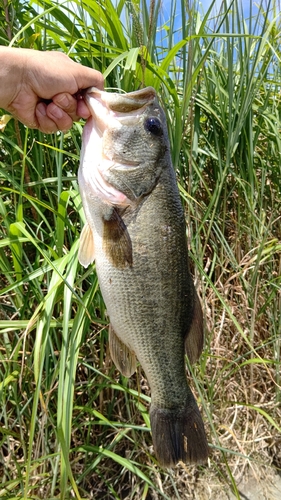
(123, 358)
(86, 253)
(195, 338)
(116, 240)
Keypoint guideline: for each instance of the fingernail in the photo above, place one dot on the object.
(57, 112)
(41, 108)
(63, 101)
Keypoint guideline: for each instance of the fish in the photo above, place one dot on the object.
(135, 232)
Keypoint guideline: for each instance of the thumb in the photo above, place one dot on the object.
(88, 77)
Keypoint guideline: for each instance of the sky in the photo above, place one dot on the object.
(248, 6)
(205, 4)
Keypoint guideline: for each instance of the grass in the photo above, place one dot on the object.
(71, 426)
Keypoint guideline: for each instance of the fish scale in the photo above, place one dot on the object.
(136, 233)
(143, 306)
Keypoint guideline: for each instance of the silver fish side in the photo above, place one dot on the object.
(136, 234)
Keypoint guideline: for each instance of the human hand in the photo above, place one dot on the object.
(42, 88)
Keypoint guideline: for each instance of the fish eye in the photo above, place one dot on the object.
(153, 125)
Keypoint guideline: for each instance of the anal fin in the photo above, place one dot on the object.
(86, 253)
(116, 240)
(123, 358)
(195, 338)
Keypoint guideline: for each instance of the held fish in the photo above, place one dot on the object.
(136, 234)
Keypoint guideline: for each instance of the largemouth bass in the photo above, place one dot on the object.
(136, 234)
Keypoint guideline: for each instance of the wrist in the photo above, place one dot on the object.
(11, 74)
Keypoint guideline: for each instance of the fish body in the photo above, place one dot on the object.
(136, 234)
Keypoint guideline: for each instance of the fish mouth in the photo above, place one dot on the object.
(110, 111)
(115, 110)
(123, 103)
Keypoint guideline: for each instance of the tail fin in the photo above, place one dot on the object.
(179, 435)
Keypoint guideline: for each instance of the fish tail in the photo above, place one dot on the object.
(179, 435)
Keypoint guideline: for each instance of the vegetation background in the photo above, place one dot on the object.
(70, 425)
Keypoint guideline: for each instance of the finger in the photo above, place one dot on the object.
(67, 103)
(61, 119)
(45, 123)
(88, 77)
(82, 109)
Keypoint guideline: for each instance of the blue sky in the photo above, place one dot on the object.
(205, 4)
(246, 5)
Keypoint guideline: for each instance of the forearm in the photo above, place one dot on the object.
(11, 73)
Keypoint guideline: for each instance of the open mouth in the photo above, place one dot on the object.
(124, 103)
(115, 110)
(109, 111)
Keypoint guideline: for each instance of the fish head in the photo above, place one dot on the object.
(125, 145)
